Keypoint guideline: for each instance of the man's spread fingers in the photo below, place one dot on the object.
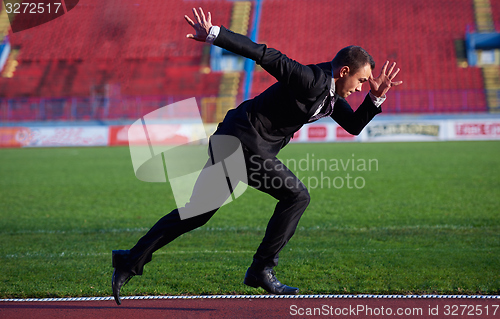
(384, 67)
(203, 16)
(395, 73)
(188, 19)
(196, 16)
(392, 68)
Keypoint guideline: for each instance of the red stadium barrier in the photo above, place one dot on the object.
(118, 135)
(9, 136)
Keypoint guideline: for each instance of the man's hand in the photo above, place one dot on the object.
(380, 85)
(202, 26)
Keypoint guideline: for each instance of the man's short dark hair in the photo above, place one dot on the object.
(354, 57)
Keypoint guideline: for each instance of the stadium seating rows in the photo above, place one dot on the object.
(138, 47)
(419, 35)
(117, 29)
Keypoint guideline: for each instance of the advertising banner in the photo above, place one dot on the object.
(53, 136)
(343, 135)
(9, 136)
(328, 132)
(464, 130)
(118, 135)
(180, 133)
(164, 134)
(404, 131)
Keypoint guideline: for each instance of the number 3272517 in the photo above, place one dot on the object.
(470, 310)
(32, 7)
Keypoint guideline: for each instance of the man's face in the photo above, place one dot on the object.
(348, 83)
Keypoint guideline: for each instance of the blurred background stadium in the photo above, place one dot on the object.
(109, 62)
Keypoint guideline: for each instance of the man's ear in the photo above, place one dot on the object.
(344, 71)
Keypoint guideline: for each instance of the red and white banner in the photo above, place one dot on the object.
(53, 136)
(343, 135)
(118, 135)
(477, 130)
(328, 132)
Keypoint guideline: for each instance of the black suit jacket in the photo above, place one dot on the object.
(266, 123)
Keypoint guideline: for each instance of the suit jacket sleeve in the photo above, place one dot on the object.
(354, 121)
(310, 81)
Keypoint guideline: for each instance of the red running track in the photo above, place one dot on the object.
(259, 307)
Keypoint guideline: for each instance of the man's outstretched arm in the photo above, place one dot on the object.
(301, 78)
(354, 121)
(236, 43)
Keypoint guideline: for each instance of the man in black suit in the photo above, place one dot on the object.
(264, 125)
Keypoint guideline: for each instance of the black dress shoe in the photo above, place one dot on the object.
(120, 275)
(266, 279)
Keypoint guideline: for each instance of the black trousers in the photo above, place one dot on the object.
(270, 176)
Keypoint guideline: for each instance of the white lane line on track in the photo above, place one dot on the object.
(364, 296)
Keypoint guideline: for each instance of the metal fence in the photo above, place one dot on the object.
(134, 107)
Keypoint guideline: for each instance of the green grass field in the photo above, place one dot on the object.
(425, 221)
